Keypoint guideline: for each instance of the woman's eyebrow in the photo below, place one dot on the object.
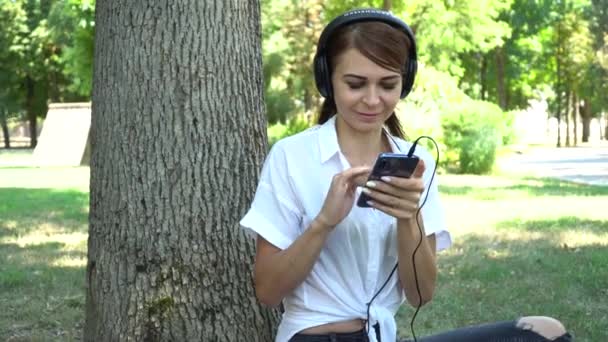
(385, 78)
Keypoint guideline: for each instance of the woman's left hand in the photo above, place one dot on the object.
(396, 196)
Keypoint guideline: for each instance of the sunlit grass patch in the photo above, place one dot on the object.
(521, 247)
(510, 187)
(43, 239)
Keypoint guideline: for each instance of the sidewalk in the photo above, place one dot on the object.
(582, 164)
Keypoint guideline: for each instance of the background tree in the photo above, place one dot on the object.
(598, 101)
(178, 137)
(11, 62)
(41, 63)
(72, 28)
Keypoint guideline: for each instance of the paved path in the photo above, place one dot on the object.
(578, 164)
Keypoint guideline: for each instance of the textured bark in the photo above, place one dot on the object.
(567, 116)
(387, 5)
(483, 79)
(586, 114)
(5, 132)
(178, 137)
(575, 118)
(501, 88)
(31, 112)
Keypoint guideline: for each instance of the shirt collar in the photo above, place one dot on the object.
(328, 140)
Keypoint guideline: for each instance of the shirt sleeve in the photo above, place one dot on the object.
(274, 213)
(432, 210)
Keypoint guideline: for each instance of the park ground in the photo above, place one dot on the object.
(527, 241)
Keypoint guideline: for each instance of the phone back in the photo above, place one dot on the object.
(390, 164)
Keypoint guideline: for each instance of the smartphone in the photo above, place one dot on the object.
(389, 164)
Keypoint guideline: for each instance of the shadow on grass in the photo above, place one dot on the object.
(531, 187)
(486, 279)
(32, 265)
(40, 300)
(25, 210)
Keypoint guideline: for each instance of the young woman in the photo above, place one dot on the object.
(331, 263)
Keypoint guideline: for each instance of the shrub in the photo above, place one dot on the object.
(472, 133)
(294, 125)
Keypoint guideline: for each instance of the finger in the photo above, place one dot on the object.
(354, 172)
(419, 170)
(397, 186)
(394, 212)
(409, 203)
(361, 179)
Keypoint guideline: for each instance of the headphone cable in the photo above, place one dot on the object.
(410, 154)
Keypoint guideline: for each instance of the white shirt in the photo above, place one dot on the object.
(359, 253)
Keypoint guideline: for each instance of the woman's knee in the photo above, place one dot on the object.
(548, 327)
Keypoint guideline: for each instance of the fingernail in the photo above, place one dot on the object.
(371, 203)
(366, 190)
(386, 179)
(370, 184)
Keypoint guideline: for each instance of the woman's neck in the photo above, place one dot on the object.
(360, 148)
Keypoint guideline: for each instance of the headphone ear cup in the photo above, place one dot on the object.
(322, 78)
(408, 80)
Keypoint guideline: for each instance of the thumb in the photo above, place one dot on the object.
(419, 170)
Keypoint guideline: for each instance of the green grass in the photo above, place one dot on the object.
(522, 246)
(43, 242)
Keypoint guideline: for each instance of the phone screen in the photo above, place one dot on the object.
(389, 164)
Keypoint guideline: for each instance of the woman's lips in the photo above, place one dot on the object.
(368, 116)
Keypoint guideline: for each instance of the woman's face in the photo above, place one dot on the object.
(365, 93)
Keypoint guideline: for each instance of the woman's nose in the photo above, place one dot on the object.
(371, 97)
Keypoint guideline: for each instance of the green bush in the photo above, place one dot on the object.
(472, 131)
(279, 107)
(478, 151)
(294, 125)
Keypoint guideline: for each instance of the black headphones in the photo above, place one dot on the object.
(321, 66)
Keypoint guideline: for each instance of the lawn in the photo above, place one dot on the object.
(522, 246)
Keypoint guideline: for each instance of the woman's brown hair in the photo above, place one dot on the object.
(382, 44)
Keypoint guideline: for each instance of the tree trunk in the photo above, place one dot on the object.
(30, 109)
(5, 132)
(178, 136)
(482, 75)
(567, 117)
(500, 78)
(585, 110)
(575, 118)
(558, 86)
(387, 5)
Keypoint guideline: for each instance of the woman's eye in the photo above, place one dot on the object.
(389, 86)
(355, 85)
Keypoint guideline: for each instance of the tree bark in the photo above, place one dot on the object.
(5, 132)
(482, 76)
(178, 136)
(500, 78)
(387, 5)
(567, 116)
(31, 111)
(575, 118)
(585, 110)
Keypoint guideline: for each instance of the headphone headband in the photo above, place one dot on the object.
(321, 65)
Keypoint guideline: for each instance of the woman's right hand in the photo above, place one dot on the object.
(341, 195)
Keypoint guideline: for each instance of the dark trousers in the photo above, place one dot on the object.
(494, 332)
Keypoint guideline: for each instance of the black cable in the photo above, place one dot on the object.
(410, 153)
(420, 229)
